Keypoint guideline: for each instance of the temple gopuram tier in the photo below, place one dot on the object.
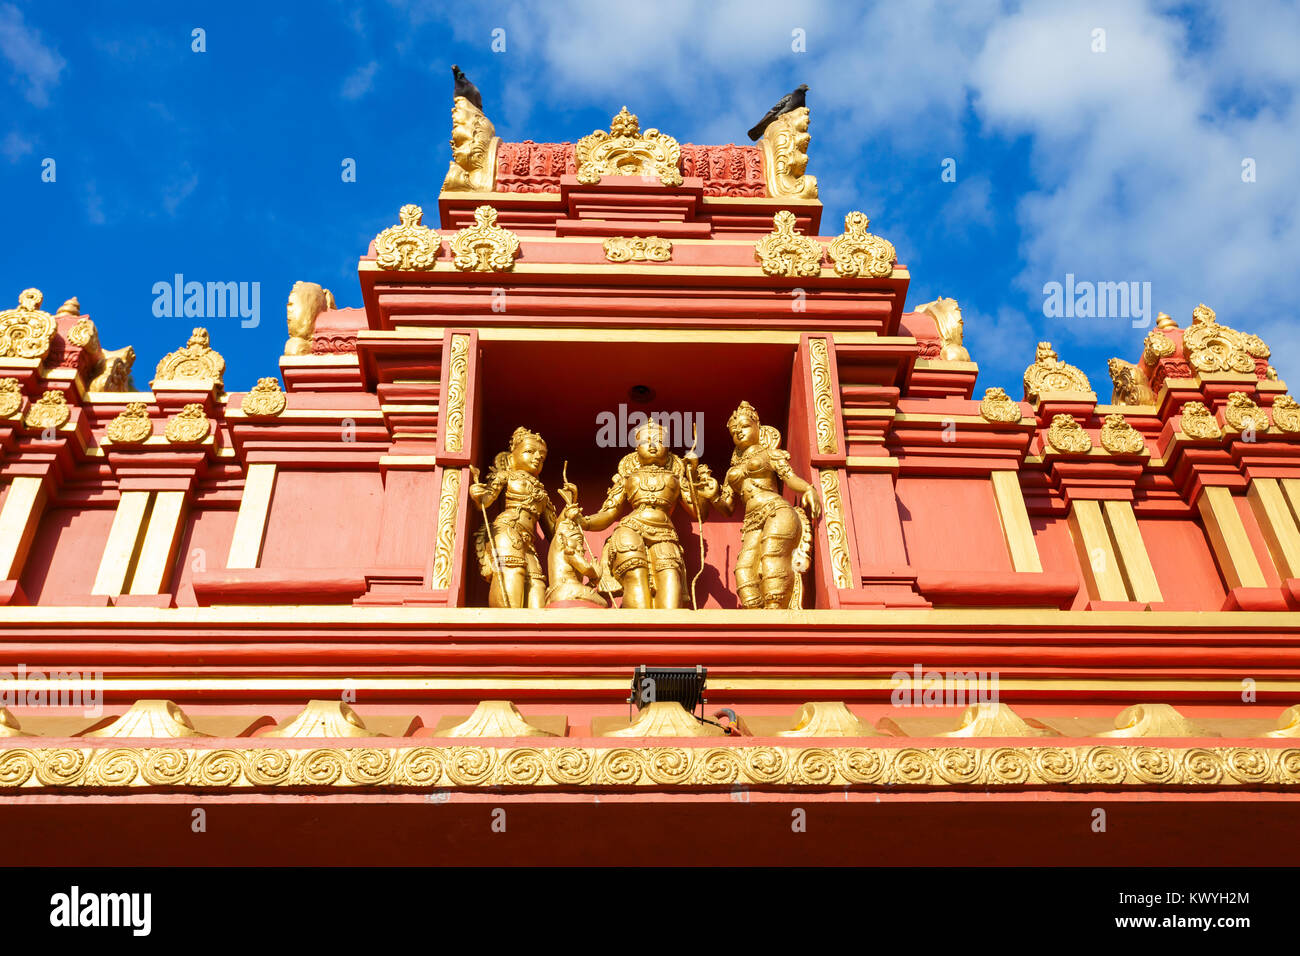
(631, 403)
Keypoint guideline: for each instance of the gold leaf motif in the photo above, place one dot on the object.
(1197, 422)
(484, 246)
(991, 719)
(1211, 347)
(197, 361)
(189, 426)
(1119, 437)
(474, 143)
(784, 252)
(409, 246)
(1067, 435)
(458, 374)
(149, 718)
(1156, 346)
(947, 320)
(495, 718)
(448, 502)
(266, 400)
(11, 397)
(998, 406)
(638, 249)
(131, 426)
(785, 157)
(323, 718)
(828, 719)
(665, 718)
(1154, 720)
(83, 334)
(626, 151)
(25, 332)
(1242, 414)
(836, 535)
(49, 411)
(858, 253)
(1286, 414)
(823, 399)
(1130, 384)
(1049, 374)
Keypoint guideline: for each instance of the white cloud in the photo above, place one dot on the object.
(361, 81)
(36, 67)
(15, 146)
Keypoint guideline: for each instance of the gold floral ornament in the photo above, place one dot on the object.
(1067, 435)
(11, 397)
(1119, 437)
(1244, 415)
(1197, 422)
(484, 246)
(131, 426)
(1211, 347)
(197, 362)
(1156, 346)
(784, 252)
(1130, 384)
(638, 249)
(474, 143)
(947, 320)
(266, 400)
(998, 406)
(25, 332)
(1286, 414)
(626, 151)
(49, 411)
(785, 157)
(858, 253)
(410, 246)
(1049, 374)
(189, 426)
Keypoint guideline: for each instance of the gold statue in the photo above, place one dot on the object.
(643, 554)
(776, 536)
(567, 563)
(507, 556)
(307, 300)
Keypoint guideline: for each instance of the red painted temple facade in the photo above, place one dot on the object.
(278, 594)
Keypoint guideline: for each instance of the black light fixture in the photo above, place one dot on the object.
(682, 684)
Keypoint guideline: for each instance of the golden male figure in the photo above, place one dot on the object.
(776, 536)
(643, 554)
(508, 559)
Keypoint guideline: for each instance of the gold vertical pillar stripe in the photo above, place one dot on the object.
(1229, 540)
(1134, 560)
(1096, 552)
(1291, 489)
(836, 535)
(161, 538)
(457, 384)
(823, 397)
(123, 547)
(1014, 516)
(250, 525)
(21, 515)
(448, 501)
(1277, 521)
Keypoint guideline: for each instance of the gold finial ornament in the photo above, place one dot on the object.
(265, 400)
(323, 718)
(1156, 346)
(506, 553)
(1130, 384)
(474, 143)
(626, 151)
(1049, 374)
(196, 362)
(776, 537)
(828, 719)
(49, 411)
(70, 307)
(638, 249)
(784, 252)
(1166, 321)
(150, 718)
(990, 719)
(409, 246)
(495, 718)
(947, 319)
(131, 426)
(25, 332)
(1119, 437)
(785, 157)
(666, 718)
(1286, 414)
(1155, 720)
(189, 426)
(1243, 415)
(484, 246)
(307, 300)
(1211, 347)
(858, 253)
(11, 397)
(1196, 421)
(998, 406)
(1067, 435)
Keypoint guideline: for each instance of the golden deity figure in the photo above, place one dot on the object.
(508, 557)
(568, 562)
(643, 554)
(776, 536)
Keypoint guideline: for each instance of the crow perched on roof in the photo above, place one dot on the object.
(466, 89)
(791, 101)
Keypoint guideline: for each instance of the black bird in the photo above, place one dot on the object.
(466, 89)
(791, 101)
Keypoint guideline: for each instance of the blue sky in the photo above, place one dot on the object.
(1117, 164)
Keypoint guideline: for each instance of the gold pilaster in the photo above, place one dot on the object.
(1277, 519)
(250, 525)
(1096, 551)
(1135, 562)
(161, 538)
(24, 505)
(122, 549)
(448, 502)
(1228, 538)
(1013, 514)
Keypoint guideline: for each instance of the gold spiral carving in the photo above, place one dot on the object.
(823, 397)
(448, 501)
(835, 533)
(458, 378)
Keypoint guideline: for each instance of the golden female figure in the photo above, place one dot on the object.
(508, 559)
(776, 536)
(643, 554)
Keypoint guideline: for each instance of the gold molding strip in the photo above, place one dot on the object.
(161, 538)
(250, 524)
(823, 399)
(473, 767)
(1135, 562)
(1278, 522)
(123, 547)
(1096, 551)
(518, 333)
(457, 378)
(836, 535)
(1014, 517)
(448, 502)
(1229, 540)
(19, 519)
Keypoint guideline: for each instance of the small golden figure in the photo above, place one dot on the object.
(643, 554)
(567, 563)
(508, 556)
(776, 536)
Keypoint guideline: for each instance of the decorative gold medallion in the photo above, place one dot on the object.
(1156, 346)
(858, 253)
(131, 426)
(1197, 422)
(1067, 435)
(266, 400)
(1244, 415)
(49, 411)
(474, 143)
(409, 246)
(638, 249)
(784, 252)
(998, 406)
(1119, 437)
(1050, 374)
(1130, 384)
(11, 397)
(25, 332)
(1286, 414)
(785, 157)
(1211, 347)
(626, 151)
(189, 426)
(484, 246)
(197, 361)
(947, 320)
